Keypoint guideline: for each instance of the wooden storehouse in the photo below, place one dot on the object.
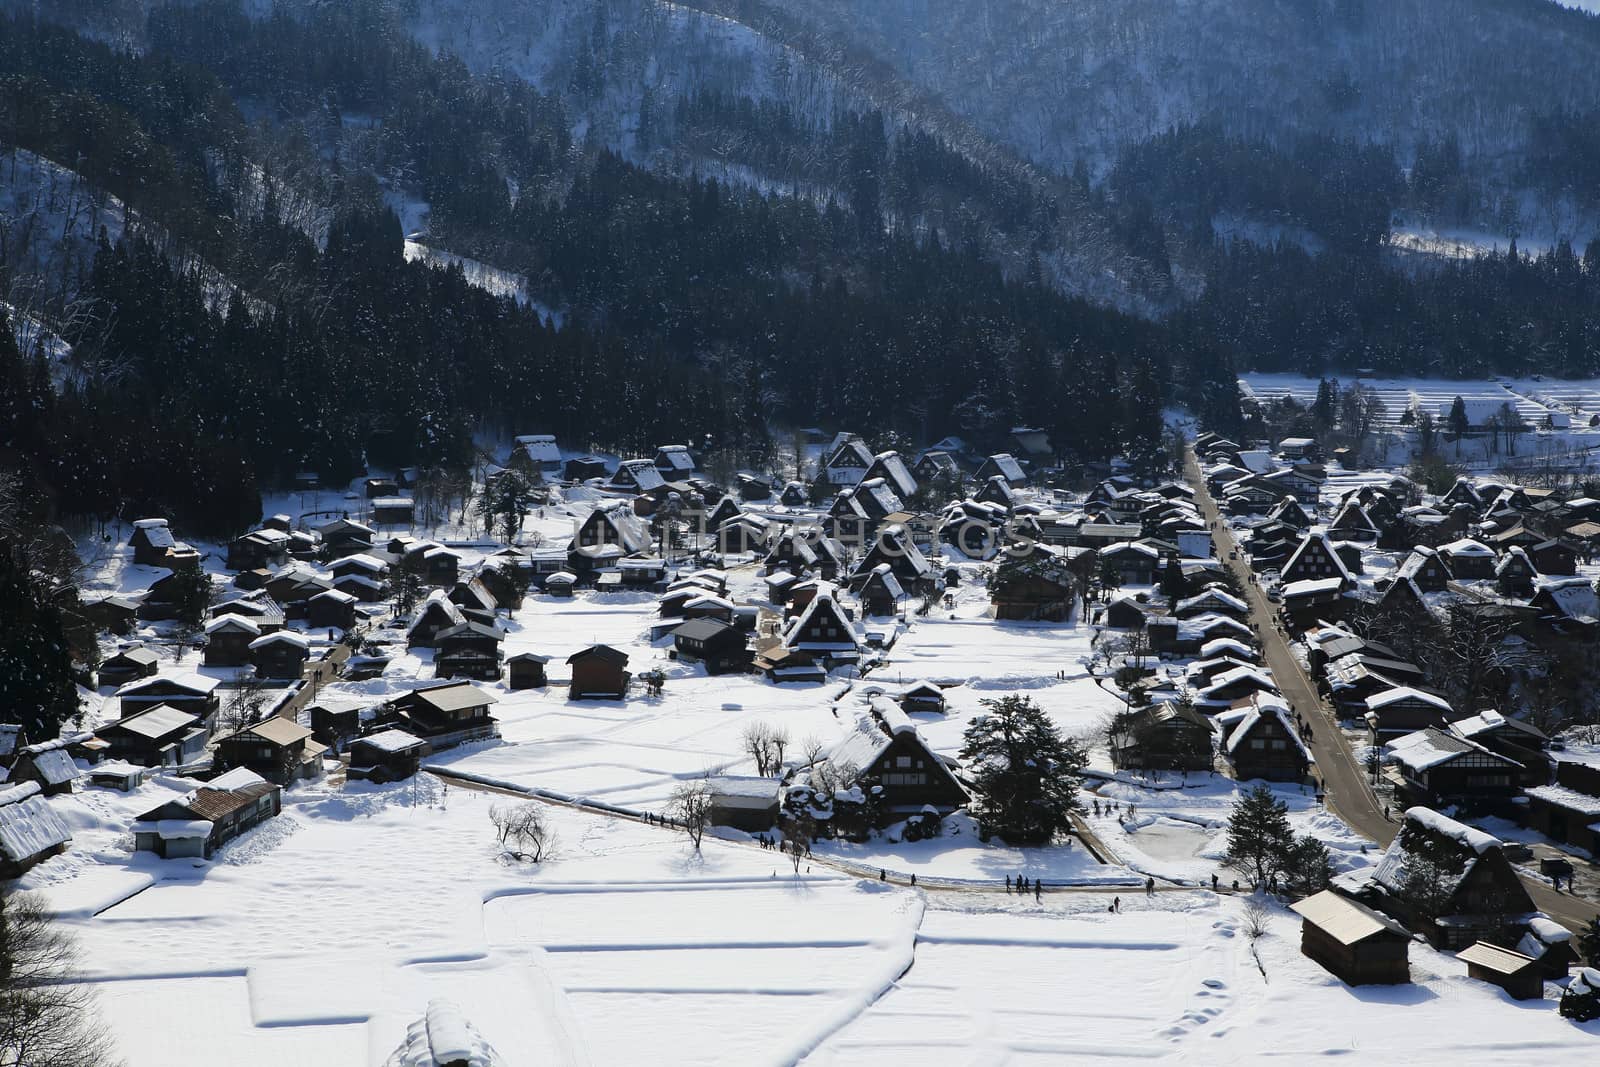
(1352, 941)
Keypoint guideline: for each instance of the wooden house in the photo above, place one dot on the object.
(1003, 465)
(1554, 557)
(1039, 587)
(151, 542)
(279, 750)
(599, 672)
(112, 614)
(198, 824)
(583, 468)
(388, 755)
(1471, 890)
(1352, 523)
(1135, 562)
(192, 693)
(1126, 613)
(49, 764)
(717, 644)
(346, 537)
(331, 609)
(637, 476)
(537, 455)
(884, 749)
(526, 670)
(1564, 814)
(1519, 975)
(939, 468)
(847, 460)
(1167, 736)
(744, 533)
(1468, 559)
(1264, 743)
(468, 650)
(1514, 573)
(1314, 559)
(1440, 769)
(436, 614)
(160, 736)
(30, 830)
(781, 665)
(921, 696)
(1355, 944)
(280, 655)
(1404, 710)
(744, 802)
(447, 714)
(1426, 569)
(264, 548)
(228, 640)
(881, 594)
(377, 488)
(891, 467)
(127, 666)
(824, 628)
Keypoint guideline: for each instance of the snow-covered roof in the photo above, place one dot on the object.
(1428, 748)
(28, 825)
(1391, 871)
(1570, 799)
(199, 683)
(232, 622)
(159, 721)
(236, 779)
(1312, 587)
(335, 596)
(1405, 692)
(55, 766)
(359, 561)
(1466, 546)
(390, 741)
(1218, 596)
(540, 447)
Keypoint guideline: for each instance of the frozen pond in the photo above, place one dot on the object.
(1170, 840)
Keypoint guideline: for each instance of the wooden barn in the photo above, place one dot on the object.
(599, 672)
(1357, 945)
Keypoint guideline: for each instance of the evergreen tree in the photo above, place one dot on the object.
(1306, 868)
(1259, 837)
(1026, 775)
(36, 686)
(1457, 421)
(1589, 941)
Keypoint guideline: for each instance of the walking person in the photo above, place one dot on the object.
(1116, 904)
(1008, 883)
(1149, 887)
(1038, 888)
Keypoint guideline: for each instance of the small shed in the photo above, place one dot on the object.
(30, 830)
(1354, 943)
(386, 756)
(526, 670)
(922, 695)
(743, 802)
(1519, 975)
(599, 672)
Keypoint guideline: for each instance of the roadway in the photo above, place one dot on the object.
(1346, 789)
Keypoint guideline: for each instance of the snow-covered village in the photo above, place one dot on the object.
(616, 533)
(905, 752)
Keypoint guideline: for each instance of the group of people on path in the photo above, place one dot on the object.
(1021, 886)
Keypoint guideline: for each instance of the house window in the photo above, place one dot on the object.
(1258, 743)
(902, 761)
(1278, 746)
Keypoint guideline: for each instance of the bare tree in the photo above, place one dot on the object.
(46, 1018)
(1257, 915)
(691, 807)
(778, 736)
(248, 697)
(757, 744)
(811, 750)
(523, 831)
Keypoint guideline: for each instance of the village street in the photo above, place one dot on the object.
(1344, 781)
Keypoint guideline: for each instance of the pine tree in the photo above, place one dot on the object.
(36, 686)
(1458, 421)
(1025, 773)
(1306, 868)
(1173, 585)
(1258, 835)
